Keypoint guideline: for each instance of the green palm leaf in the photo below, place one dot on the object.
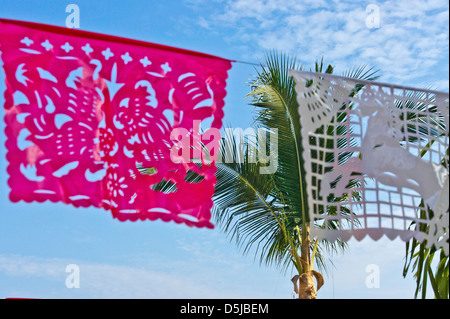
(259, 211)
(267, 214)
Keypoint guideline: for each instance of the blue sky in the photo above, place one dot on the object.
(166, 260)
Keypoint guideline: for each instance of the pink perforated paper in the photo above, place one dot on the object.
(84, 112)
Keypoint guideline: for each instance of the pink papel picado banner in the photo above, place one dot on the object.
(85, 113)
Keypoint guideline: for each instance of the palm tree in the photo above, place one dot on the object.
(419, 258)
(268, 212)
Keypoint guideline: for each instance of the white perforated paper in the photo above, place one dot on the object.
(376, 158)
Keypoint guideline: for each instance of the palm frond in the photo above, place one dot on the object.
(280, 196)
(267, 213)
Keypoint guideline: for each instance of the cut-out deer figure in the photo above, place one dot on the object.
(383, 158)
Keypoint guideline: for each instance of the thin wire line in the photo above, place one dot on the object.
(245, 62)
(367, 82)
(361, 81)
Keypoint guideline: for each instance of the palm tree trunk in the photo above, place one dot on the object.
(307, 288)
(305, 249)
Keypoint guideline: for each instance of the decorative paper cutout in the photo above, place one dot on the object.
(85, 111)
(387, 143)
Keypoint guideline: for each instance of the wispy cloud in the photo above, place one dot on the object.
(348, 279)
(107, 280)
(410, 46)
(202, 271)
(192, 270)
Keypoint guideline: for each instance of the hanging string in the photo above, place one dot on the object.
(245, 62)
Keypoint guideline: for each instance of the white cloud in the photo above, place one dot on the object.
(196, 269)
(108, 281)
(410, 47)
(348, 280)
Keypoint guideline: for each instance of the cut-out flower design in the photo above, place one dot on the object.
(115, 184)
(83, 111)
